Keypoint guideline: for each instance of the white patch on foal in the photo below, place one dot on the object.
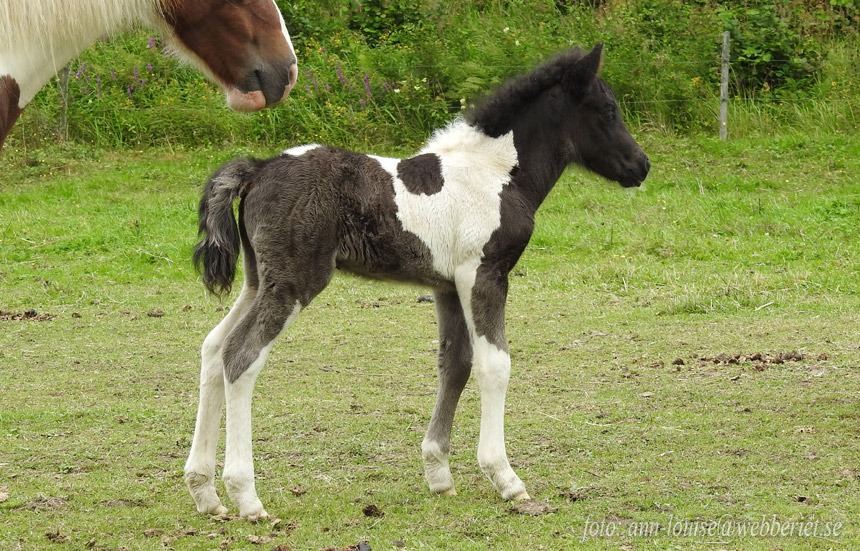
(300, 150)
(456, 222)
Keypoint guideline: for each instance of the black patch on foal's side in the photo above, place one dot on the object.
(372, 242)
(421, 174)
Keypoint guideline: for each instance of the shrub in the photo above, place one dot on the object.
(388, 72)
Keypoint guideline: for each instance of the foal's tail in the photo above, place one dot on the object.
(216, 254)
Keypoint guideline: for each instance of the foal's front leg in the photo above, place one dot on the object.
(483, 293)
(455, 364)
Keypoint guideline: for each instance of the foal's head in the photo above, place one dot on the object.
(564, 111)
(598, 138)
(242, 44)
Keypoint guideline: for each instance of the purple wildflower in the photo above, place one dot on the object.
(99, 86)
(367, 84)
(340, 75)
(151, 43)
(113, 75)
(149, 67)
(136, 76)
(128, 91)
(361, 102)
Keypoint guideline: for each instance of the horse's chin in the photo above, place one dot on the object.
(247, 102)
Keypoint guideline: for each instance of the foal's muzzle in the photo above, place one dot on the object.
(636, 174)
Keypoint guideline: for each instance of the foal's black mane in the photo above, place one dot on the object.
(494, 113)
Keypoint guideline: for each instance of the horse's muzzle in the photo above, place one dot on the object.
(634, 176)
(263, 88)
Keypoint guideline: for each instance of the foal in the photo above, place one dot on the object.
(455, 217)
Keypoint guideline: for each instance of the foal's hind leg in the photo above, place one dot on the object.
(245, 353)
(455, 363)
(200, 467)
(483, 292)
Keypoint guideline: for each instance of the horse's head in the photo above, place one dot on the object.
(601, 142)
(241, 44)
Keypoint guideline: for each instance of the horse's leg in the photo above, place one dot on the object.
(10, 95)
(455, 363)
(245, 353)
(200, 467)
(483, 292)
(280, 298)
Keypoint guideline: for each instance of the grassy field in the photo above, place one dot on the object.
(683, 355)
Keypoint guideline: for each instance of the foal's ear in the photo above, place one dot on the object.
(578, 78)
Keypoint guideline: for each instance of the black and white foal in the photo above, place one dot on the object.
(455, 217)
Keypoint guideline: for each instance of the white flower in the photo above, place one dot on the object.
(506, 29)
(517, 42)
(396, 90)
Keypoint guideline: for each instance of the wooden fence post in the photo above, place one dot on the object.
(724, 88)
(64, 99)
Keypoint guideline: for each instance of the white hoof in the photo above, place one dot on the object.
(256, 517)
(218, 511)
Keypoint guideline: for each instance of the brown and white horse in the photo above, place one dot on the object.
(243, 45)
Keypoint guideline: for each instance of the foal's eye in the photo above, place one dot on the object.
(610, 112)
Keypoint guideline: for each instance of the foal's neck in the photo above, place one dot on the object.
(542, 158)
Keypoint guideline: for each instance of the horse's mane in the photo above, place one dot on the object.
(53, 21)
(493, 114)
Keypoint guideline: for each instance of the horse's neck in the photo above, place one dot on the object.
(35, 57)
(542, 160)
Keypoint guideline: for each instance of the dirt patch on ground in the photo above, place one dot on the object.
(760, 359)
(26, 315)
(43, 503)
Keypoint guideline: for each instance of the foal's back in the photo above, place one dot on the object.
(412, 220)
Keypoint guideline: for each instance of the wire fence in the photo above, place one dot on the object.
(708, 101)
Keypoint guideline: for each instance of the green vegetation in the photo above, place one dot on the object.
(388, 72)
(686, 353)
(734, 249)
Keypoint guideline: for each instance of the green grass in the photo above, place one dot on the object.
(734, 248)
